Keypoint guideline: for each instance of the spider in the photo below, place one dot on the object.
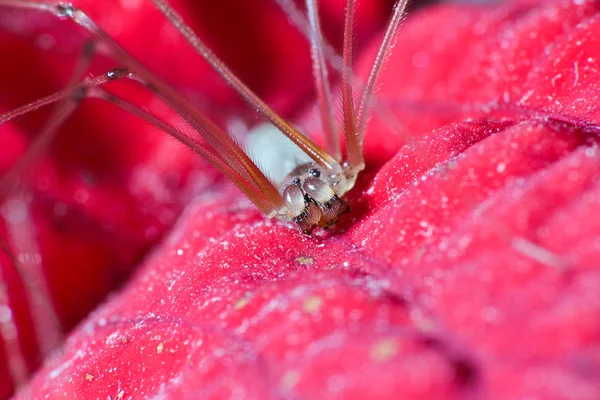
(312, 193)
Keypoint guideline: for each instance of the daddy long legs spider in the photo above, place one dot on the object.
(311, 194)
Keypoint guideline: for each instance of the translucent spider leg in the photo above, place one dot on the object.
(300, 21)
(321, 76)
(354, 152)
(248, 176)
(384, 48)
(28, 263)
(308, 146)
(47, 328)
(354, 125)
(193, 143)
(228, 149)
(68, 103)
(9, 331)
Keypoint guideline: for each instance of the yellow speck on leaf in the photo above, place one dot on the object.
(89, 377)
(384, 350)
(241, 303)
(302, 260)
(312, 304)
(160, 348)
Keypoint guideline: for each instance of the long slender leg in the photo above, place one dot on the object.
(353, 144)
(355, 133)
(300, 21)
(9, 331)
(310, 148)
(91, 88)
(19, 226)
(193, 143)
(64, 108)
(70, 94)
(384, 48)
(181, 105)
(330, 131)
(15, 210)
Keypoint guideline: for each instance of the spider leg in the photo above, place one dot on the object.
(47, 327)
(9, 330)
(330, 131)
(353, 143)
(384, 48)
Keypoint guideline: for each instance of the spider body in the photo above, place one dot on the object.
(313, 198)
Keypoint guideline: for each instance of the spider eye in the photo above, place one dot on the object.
(314, 172)
(296, 181)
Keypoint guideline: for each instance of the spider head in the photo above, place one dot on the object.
(312, 196)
